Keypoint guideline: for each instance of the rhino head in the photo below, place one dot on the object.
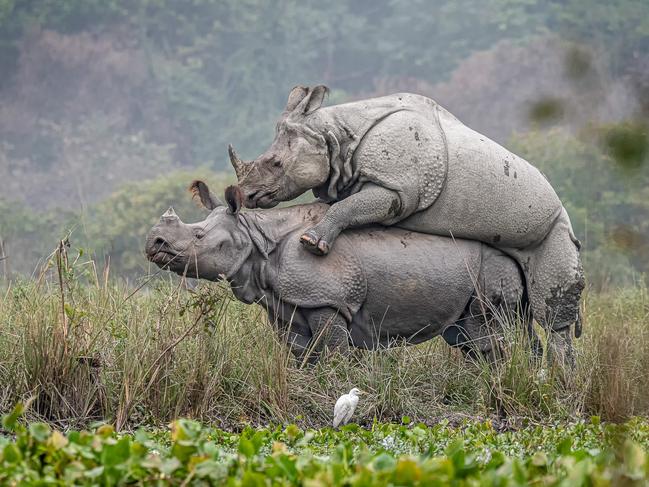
(296, 161)
(210, 249)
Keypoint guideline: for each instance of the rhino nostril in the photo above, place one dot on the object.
(159, 242)
(252, 195)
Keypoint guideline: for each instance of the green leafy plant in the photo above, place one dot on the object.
(189, 453)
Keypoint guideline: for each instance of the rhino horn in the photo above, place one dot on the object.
(169, 215)
(239, 166)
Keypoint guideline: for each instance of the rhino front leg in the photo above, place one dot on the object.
(372, 204)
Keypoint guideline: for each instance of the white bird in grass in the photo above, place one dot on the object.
(344, 408)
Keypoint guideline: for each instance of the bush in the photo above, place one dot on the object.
(607, 202)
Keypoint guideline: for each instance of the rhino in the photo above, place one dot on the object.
(404, 160)
(378, 286)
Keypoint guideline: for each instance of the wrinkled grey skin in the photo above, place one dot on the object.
(378, 285)
(404, 160)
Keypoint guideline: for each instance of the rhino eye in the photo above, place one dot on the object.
(277, 163)
(199, 234)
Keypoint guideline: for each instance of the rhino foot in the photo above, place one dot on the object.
(314, 244)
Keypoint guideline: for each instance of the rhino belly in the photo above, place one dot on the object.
(490, 194)
(416, 285)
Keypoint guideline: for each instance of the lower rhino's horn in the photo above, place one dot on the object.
(169, 216)
(239, 166)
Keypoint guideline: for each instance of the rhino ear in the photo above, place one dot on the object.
(296, 95)
(200, 190)
(313, 100)
(234, 198)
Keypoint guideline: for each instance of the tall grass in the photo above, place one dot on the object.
(90, 349)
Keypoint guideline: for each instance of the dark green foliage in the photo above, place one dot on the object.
(97, 94)
(608, 205)
(27, 237)
(117, 226)
(547, 110)
(627, 144)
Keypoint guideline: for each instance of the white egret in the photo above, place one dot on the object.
(345, 406)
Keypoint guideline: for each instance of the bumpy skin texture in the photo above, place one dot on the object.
(378, 285)
(404, 160)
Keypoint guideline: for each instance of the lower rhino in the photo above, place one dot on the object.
(378, 286)
(404, 160)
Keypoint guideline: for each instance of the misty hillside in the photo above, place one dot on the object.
(109, 108)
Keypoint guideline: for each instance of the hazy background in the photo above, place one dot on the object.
(108, 108)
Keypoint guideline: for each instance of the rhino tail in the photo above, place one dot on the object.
(578, 324)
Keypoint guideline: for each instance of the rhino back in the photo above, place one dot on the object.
(490, 194)
(450, 178)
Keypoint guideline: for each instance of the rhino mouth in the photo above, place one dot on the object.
(161, 252)
(263, 199)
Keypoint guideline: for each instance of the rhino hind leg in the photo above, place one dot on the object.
(561, 353)
(500, 299)
(533, 339)
(555, 281)
(555, 277)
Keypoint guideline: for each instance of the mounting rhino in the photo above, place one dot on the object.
(379, 285)
(404, 160)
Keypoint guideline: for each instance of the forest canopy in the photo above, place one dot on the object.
(109, 108)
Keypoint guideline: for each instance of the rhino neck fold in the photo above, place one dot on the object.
(256, 277)
(249, 282)
(268, 228)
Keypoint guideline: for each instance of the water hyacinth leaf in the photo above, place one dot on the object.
(185, 429)
(455, 451)
(519, 472)
(407, 471)
(11, 454)
(212, 469)
(384, 462)
(57, 440)
(170, 465)
(636, 464)
(253, 479)
(115, 454)
(288, 466)
(94, 473)
(258, 440)
(565, 446)
(540, 459)
(293, 433)
(246, 447)
(10, 420)
(105, 431)
(39, 431)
